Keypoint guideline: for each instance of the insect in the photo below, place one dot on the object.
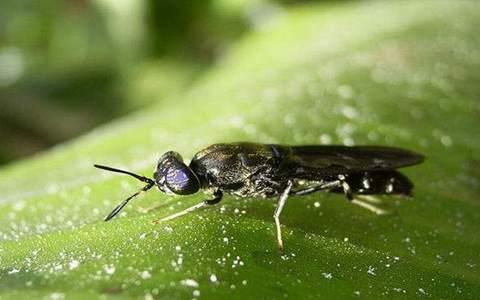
(246, 169)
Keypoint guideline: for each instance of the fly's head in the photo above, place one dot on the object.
(173, 176)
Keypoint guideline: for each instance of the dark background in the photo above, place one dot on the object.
(68, 66)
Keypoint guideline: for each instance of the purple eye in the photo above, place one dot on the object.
(177, 179)
(175, 176)
(181, 180)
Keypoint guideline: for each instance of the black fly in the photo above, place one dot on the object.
(259, 170)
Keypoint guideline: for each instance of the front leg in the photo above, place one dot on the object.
(218, 195)
(341, 183)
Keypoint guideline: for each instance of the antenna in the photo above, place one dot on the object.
(150, 183)
(139, 177)
(122, 204)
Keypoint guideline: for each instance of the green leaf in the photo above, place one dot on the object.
(390, 73)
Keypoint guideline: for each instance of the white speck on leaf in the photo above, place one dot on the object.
(13, 271)
(327, 275)
(371, 271)
(145, 275)
(73, 264)
(109, 269)
(349, 112)
(189, 283)
(148, 296)
(325, 139)
(57, 296)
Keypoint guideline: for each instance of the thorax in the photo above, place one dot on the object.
(241, 169)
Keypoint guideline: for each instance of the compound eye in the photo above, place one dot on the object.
(173, 176)
(181, 180)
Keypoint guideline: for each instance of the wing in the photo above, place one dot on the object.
(311, 161)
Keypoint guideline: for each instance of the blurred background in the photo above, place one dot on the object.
(68, 66)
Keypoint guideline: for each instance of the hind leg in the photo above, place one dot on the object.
(369, 206)
(360, 200)
(369, 198)
(316, 188)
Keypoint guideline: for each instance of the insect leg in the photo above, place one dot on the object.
(346, 187)
(369, 206)
(208, 201)
(180, 213)
(313, 189)
(348, 193)
(217, 198)
(369, 198)
(281, 203)
(218, 195)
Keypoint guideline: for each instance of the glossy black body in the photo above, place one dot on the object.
(252, 170)
(267, 170)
